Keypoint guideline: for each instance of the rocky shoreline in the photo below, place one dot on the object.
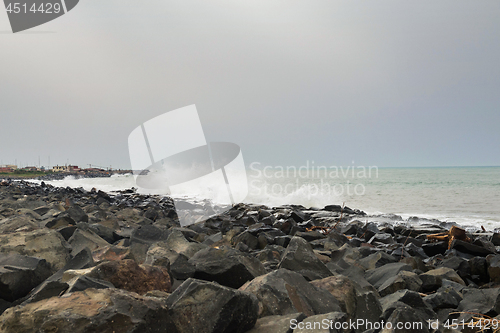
(87, 261)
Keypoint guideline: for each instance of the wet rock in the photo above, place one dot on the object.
(44, 244)
(285, 292)
(380, 275)
(92, 310)
(19, 274)
(277, 324)
(216, 309)
(300, 257)
(226, 266)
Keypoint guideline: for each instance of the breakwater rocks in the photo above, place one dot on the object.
(87, 261)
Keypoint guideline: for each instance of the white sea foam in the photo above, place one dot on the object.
(467, 196)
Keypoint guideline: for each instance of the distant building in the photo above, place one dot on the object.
(30, 168)
(58, 168)
(6, 170)
(65, 168)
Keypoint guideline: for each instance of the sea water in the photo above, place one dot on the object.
(469, 196)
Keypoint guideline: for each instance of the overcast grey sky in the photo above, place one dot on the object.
(386, 83)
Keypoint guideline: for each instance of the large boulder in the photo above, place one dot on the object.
(54, 286)
(380, 275)
(284, 292)
(403, 280)
(300, 257)
(44, 244)
(206, 307)
(484, 301)
(127, 274)
(92, 310)
(411, 298)
(19, 274)
(343, 289)
(226, 266)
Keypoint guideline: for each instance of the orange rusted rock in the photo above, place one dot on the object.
(127, 274)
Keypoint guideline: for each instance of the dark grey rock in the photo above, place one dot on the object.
(459, 265)
(446, 298)
(216, 309)
(403, 280)
(77, 214)
(285, 292)
(19, 274)
(408, 297)
(469, 248)
(379, 275)
(376, 260)
(226, 266)
(494, 267)
(300, 257)
(484, 301)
